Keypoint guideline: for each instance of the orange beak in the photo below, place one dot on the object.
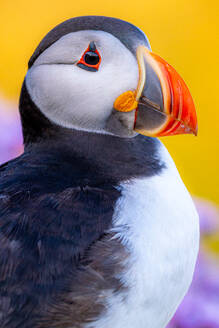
(162, 102)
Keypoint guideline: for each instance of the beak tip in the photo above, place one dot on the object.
(192, 129)
(194, 124)
(195, 132)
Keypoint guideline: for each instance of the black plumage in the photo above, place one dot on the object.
(47, 221)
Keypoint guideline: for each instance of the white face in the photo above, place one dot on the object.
(76, 98)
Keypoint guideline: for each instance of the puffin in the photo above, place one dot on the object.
(97, 229)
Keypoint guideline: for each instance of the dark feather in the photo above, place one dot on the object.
(46, 224)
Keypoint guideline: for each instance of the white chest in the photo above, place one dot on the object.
(156, 221)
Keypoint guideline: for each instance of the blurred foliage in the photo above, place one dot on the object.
(184, 32)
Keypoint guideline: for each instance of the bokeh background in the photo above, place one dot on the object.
(186, 34)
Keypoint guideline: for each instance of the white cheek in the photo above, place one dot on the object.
(75, 98)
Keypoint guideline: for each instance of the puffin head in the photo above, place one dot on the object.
(98, 74)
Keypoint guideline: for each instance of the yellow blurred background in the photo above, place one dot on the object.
(184, 32)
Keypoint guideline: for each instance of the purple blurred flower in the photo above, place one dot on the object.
(10, 132)
(200, 307)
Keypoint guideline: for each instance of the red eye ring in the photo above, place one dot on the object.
(90, 59)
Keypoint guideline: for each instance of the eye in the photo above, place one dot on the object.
(90, 59)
